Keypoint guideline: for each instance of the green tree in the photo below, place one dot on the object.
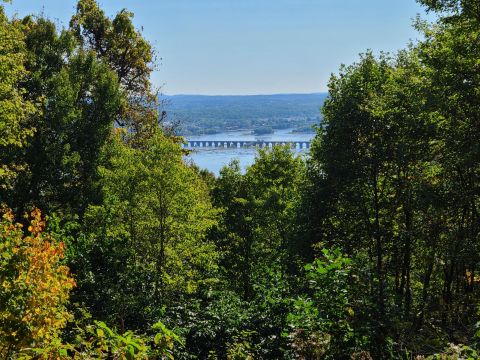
(15, 128)
(274, 180)
(351, 153)
(257, 213)
(450, 53)
(146, 245)
(373, 176)
(84, 79)
(234, 235)
(77, 97)
(452, 9)
(392, 177)
(117, 43)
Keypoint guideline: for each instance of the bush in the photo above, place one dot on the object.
(34, 288)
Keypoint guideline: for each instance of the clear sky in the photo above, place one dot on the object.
(254, 46)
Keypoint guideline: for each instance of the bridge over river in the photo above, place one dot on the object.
(237, 144)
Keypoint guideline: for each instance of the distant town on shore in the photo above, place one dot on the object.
(260, 114)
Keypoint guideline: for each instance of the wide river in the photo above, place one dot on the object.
(214, 159)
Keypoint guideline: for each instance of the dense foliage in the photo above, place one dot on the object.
(367, 248)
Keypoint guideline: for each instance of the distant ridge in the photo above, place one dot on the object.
(245, 95)
(204, 114)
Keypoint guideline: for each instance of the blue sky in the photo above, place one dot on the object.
(254, 46)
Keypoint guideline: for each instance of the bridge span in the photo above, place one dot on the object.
(237, 144)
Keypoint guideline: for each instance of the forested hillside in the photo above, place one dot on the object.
(197, 114)
(112, 247)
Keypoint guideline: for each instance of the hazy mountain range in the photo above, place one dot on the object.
(202, 114)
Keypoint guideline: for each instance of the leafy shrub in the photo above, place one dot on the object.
(324, 311)
(34, 288)
(98, 341)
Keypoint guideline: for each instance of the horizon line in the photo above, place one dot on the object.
(265, 94)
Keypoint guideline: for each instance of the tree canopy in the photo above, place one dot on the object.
(366, 247)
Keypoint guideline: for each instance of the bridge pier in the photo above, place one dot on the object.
(226, 144)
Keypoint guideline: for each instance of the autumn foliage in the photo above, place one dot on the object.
(34, 287)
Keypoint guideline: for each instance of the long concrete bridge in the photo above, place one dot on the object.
(237, 144)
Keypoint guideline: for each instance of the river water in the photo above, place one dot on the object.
(213, 159)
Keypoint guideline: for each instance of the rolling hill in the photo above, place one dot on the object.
(200, 114)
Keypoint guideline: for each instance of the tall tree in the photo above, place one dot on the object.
(77, 97)
(117, 43)
(274, 180)
(15, 128)
(257, 215)
(84, 80)
(234, 234)
(352, 157)
(367, 171)
(146, 245)
(450, 52)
